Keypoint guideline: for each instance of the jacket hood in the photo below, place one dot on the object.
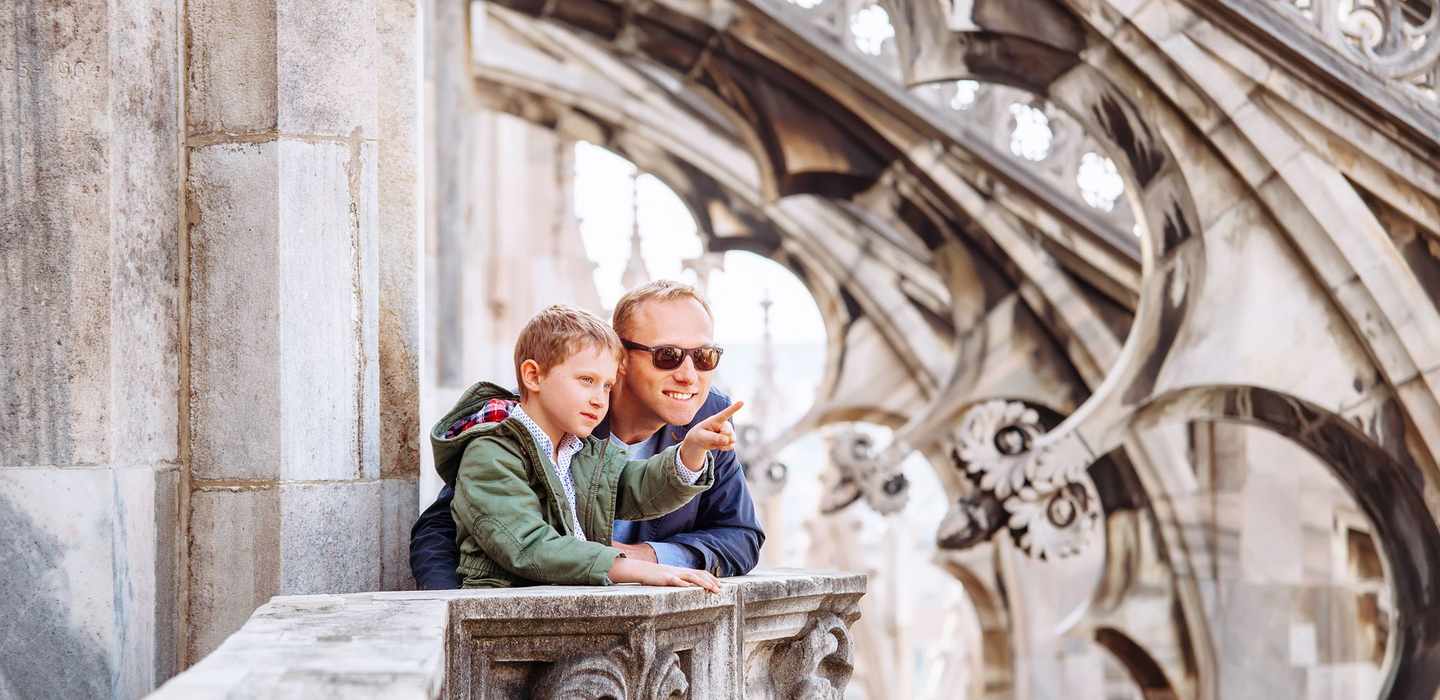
(447, 451)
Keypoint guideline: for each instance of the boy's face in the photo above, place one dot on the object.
(575, 394)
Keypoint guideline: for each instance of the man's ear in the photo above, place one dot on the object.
(530, 375)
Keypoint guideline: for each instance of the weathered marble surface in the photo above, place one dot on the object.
(299, 198)
(782, 633)
(89, 310)
(388, 645)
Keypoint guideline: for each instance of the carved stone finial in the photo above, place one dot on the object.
(1051, 504)
(816, 665)
(765, 474)
(973, 519)
(635, 670)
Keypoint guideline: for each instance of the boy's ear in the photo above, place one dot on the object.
(530, 375)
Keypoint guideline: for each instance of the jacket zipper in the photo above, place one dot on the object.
(595, 480)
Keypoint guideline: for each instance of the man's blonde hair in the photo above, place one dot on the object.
(559, 331)
(659, 290)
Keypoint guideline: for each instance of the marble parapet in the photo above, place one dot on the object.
(772, 634)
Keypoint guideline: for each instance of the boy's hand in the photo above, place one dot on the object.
(713, 433)
(626, 570)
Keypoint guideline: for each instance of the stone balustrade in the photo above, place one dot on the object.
(773, 634)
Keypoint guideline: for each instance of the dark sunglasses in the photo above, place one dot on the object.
(707, 357)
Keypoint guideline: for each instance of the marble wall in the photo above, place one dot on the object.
(90, 463)
(209, 246)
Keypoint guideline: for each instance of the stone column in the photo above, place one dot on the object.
(299, 195)
(450, 209)
(89, 456)
(397, 30)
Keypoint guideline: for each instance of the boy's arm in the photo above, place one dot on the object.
(495, 503)
(654, 487)
(669, 480)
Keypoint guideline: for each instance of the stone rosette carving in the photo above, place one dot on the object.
(1050, 503)
(635, 670)
(860, 470)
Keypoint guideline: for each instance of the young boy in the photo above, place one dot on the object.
(535, 496)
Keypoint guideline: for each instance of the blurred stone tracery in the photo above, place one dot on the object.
(1103, 336)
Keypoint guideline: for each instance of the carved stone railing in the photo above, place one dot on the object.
(1396, 40)
(1386, 51)
(776, 634)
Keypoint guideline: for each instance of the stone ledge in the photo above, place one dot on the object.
(769, 634)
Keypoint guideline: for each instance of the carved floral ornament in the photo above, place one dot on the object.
(1050, 504)
(765, 474)
(635, 670)
(815, 664)
(1041, 490)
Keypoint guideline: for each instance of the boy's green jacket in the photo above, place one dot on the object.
(513, 525)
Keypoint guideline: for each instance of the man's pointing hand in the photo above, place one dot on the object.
(713, 433)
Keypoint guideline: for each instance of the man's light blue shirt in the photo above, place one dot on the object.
(625, 530)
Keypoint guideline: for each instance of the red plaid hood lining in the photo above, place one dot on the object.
(494, 411)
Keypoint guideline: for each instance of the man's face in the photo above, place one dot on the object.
(575, 394)
(672, 396)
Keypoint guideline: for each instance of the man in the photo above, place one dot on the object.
(662, 391)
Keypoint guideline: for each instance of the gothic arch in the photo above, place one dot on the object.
(1234, 114)
(1149, 677)
(583, 108)
(1384, 483)
(997, 651)
(712, 48)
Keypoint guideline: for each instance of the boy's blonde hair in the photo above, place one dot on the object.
(559, 331)
(659, 290)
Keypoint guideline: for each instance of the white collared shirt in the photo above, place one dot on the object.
(569, 445)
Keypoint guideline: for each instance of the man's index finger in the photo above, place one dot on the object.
(725, 413)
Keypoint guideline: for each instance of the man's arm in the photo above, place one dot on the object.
(727, 535)
(433, 553)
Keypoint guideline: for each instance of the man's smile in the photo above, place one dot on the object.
(679, 396)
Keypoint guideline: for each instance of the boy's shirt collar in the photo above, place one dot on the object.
(569, 444)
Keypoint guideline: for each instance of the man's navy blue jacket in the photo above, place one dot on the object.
(719, 524)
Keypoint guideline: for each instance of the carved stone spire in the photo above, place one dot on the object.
(635, 272)
(765, 381)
